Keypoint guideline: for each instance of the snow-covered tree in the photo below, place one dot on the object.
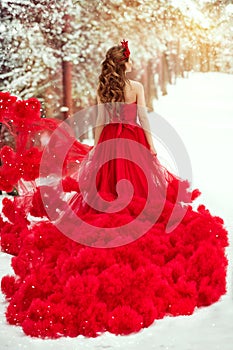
(48, 44)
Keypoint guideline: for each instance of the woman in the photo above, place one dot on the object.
(120, 271)
(121, 103)
(115, 87)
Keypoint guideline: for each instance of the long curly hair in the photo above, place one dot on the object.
(112, 79)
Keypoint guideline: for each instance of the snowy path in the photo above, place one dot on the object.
(201, 110)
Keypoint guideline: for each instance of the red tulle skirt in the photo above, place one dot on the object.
(125, 247)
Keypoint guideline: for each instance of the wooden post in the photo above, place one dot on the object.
(67, 88)
(152, 90)
(164, 73)
(67, 77)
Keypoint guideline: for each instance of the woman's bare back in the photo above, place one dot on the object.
(130, 91)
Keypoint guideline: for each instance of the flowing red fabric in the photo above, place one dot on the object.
(31, 134)
(77, 270)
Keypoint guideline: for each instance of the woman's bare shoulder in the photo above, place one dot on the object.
(135, 84)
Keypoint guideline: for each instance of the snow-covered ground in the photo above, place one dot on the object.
(200, 108)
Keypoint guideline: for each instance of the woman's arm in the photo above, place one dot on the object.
(142, 114)
(99, 121)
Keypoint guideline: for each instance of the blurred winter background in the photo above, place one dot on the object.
(182, 52)
(52, 49)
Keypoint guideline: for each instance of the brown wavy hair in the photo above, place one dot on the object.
(112, 79)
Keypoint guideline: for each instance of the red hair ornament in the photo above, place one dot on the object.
(126, 52)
